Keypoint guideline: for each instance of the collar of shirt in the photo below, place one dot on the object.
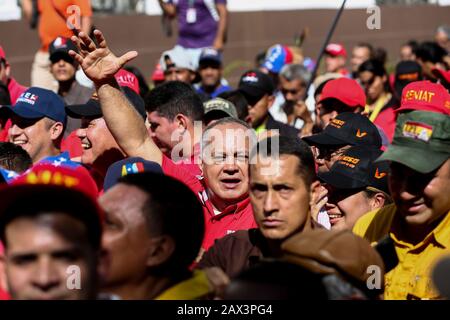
(237, 208)
(440, 234)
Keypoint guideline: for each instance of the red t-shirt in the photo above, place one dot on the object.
(386, 120)
(72, 144)
(15, 90)
(235, 217)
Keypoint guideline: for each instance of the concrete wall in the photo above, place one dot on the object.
(249, 33)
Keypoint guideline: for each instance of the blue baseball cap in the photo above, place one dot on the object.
(277, 56)
(128, 166)
(210, 55)
(37, 103)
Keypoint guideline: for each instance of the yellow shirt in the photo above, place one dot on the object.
(411, 278)
(194, 288)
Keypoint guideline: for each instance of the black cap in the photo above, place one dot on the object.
(347, 129)
(59, 49)
(406, 72)
(254, 85)
(356, 169)
(92, 109)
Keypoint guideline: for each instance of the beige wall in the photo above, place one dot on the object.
(249, 33)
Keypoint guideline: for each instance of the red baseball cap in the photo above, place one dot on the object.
(55, 188)
(49, 174)
(345, 90)
(127, 79)
(158, 74)
(425, 96)
(335, 50)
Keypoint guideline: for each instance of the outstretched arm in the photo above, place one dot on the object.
(126, 125)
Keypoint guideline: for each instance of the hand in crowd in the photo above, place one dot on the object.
(97, 61)
(301, 111)
(318, 200)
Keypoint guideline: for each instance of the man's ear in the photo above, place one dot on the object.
(56, 130)
(333, 114)
(315, 189)
(7, 71)
(378, 200)
(181, 121)
(271, 100)
(160, 250)
(192, 76)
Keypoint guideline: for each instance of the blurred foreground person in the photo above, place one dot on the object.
(52, 239)
(152, 240)
(315, 264)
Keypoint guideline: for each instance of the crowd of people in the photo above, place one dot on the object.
(283, 187)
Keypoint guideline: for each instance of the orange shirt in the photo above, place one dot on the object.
(52, 25)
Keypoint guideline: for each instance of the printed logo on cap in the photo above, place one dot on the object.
(409, 76)
(53, 178)
(447, 104)
(379, 175)
(337, 123)
(417, 130)
(28, 97)
(250, 77)
(134, 167)
(419, 95)
(360, 134)
(274, 54)
(60, 42)
(349, 161)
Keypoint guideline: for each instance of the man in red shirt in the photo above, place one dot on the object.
(223, 192)
(14, 88)
(174, 110)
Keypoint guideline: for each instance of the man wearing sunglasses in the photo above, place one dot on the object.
(346, 130)
(258, 88)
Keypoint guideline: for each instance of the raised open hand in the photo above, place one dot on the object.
(98, 62)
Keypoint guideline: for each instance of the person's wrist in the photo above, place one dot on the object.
(111, 82)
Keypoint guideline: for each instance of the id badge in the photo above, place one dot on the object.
(191, 15)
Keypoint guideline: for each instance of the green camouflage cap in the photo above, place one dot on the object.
(421, 141)
(219, 104)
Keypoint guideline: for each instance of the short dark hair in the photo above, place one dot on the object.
(239, 101)
(14, 157)
(290, 146)
(429, 51)
(381, 55)
(366, 45)
(174, 210)
(374, 66)
(174, 97)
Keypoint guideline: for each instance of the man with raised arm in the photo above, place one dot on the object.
(224, 189)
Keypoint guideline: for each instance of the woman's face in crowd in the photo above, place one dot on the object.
(373, 85)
